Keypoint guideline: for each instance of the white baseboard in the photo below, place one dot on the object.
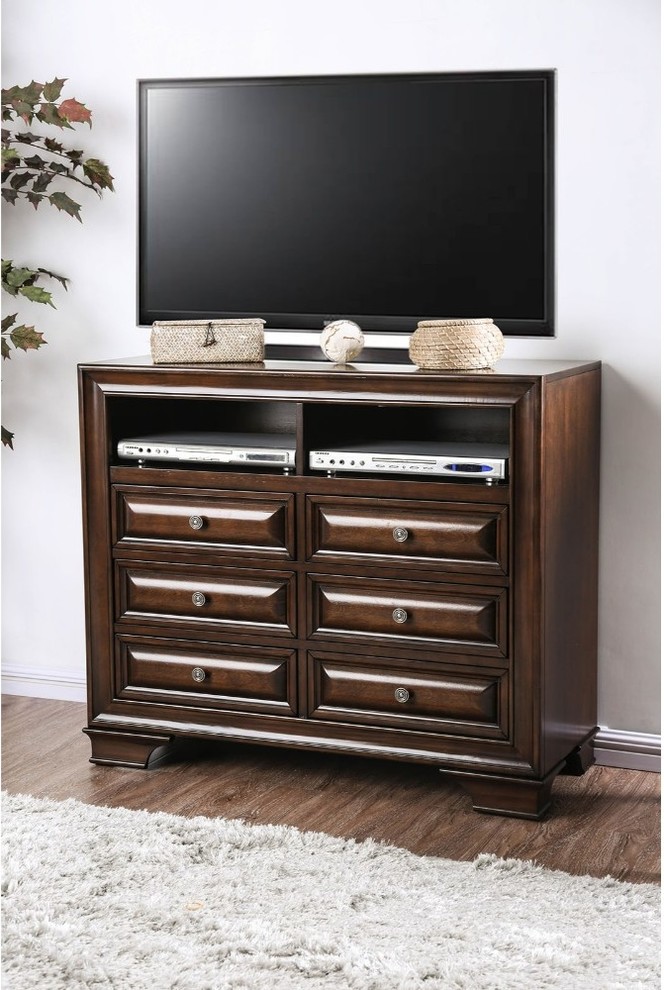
(59, 685)
(629, 750)
(613, 747)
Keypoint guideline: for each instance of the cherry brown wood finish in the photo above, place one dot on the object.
(603, 823)
(483, 587)
(254, 525)
(457, 536)
(471, 619)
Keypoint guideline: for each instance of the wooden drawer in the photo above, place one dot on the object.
(239, 521)
(246, 678)
(412, 696)
(465, 618)
(238, 598)
(456, 536)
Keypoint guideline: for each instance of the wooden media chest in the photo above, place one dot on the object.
(406, 617)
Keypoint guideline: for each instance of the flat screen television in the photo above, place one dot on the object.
(384, 199)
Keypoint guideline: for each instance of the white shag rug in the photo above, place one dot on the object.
(112, 899)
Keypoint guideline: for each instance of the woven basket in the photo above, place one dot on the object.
(207, 341)
(456, 345)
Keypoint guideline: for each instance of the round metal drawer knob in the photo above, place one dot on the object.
(198, 674)
(196, 522)
(400, 534)
(400, 615)
(402, 695)
(198, 598)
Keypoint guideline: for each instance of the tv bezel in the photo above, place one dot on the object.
(380, 324)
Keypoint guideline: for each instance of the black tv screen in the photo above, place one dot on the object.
(382, 199)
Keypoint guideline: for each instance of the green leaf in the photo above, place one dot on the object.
(98, 173)
(32, 93)
(35, 293)
(20, 179)
(8, 322)
(23, 137)
(6, 352)
(27, 338)
(36, 161)
(7, 266)
(42, 182)
(53, 89)
(34, 198)
(59, 278)
(19, 276)
(10, 195)
(7, 438)
(49, 114)
(9, 155)
(63, 202)
(73, 110)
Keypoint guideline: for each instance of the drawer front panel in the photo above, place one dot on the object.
(207, 595)
(231, 677)
(458, 537)
(417, 696)
(235, 523)
(464, 618)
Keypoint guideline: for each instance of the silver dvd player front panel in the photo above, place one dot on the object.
(249, 450)
(483, 462)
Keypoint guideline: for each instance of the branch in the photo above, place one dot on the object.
(47, 171)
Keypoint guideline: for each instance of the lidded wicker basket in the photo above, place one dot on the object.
(208, 341)
(456, 345)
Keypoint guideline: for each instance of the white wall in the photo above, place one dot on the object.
(607, 56)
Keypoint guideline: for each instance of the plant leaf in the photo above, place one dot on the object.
(59, 278)
(63, 202)
(98, 173)
(8, 322)
(73, 110)
(19, 276)
(34, 198)
(7, 438)
(53, 145)
(20, 179)
(10, 155)
(10, 195)
(35, 293)
(49, 114)
(5, 351)
(53, 89)
(22, 137)
(27, 338)
(42, 182)
(36, 161)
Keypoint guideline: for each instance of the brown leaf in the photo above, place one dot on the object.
(75, 111)
(7, 438)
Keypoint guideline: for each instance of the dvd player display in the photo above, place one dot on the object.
(247, 449)
(481, 461)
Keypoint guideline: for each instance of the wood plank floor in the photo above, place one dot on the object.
(606, 822)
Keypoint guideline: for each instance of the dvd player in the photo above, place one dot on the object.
(246, 449)
(481, 461)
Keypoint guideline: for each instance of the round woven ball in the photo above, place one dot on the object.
(456, 345)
